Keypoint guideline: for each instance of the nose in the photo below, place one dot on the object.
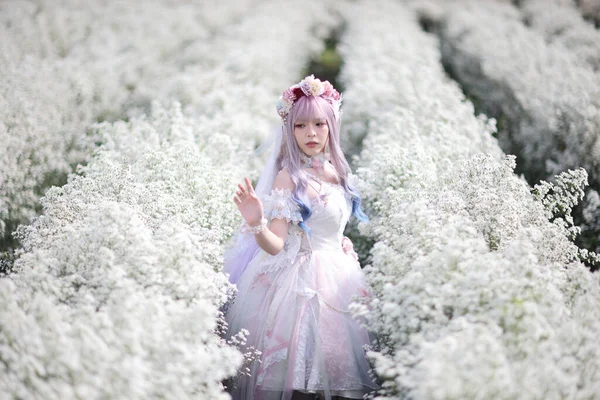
(312, 131)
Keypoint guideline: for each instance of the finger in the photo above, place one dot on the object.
(236, 200)
(249, 185)
(242, 189)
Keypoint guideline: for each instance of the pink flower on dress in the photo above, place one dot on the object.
(348, 248)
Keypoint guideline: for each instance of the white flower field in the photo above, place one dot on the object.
(126, 125)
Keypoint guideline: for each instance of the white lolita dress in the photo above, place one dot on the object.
(295, 306)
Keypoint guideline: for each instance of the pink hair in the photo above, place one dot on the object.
(309, 107)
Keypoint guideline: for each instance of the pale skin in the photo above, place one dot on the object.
(311, 136)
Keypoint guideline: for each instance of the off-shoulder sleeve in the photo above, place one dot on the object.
(279, 204)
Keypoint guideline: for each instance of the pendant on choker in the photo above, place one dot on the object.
(317, 162)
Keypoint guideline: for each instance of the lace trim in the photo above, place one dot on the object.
(285, 258)
(274, 358)
(279, 204)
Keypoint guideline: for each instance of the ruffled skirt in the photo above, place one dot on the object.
(297, 316)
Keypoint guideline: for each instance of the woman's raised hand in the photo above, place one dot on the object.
(248, 203)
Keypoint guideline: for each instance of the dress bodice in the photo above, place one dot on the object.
(331, 210)
(295, 305)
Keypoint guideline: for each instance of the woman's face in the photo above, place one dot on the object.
(311, 135)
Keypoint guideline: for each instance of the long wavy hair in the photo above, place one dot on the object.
(305, 108)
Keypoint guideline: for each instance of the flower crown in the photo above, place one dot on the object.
(309, 86)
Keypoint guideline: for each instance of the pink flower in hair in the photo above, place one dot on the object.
(289, 95)
(335, 95)
(283, 107)
(329, 91)
(309, 86)
(312, 86)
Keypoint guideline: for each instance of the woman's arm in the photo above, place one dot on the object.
(270, 239)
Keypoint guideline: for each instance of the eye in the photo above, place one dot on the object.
(299, 126)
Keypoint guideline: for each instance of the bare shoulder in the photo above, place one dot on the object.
(283, 180)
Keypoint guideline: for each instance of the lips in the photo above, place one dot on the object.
(312, 144)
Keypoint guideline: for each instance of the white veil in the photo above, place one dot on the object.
(242, 247)
(267, 177)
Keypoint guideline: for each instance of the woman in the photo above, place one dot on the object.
(295, 283)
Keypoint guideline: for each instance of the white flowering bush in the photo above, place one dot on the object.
(117, 291)
(114, 310)
(546, 94)
(542, 82)
(127, 255)
(476, 293)
(67, 64)
(561, 23)
(592, 212)
(431, 12)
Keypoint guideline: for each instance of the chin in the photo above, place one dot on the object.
(312, 152)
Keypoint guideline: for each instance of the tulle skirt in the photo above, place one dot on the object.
(297, 317)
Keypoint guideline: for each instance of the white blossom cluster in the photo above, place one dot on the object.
(591, 213)
(561, 23)
(433, 11)
(118, 288)
(548, 97)
(124, 262)
(68, 63)
(476, 293)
